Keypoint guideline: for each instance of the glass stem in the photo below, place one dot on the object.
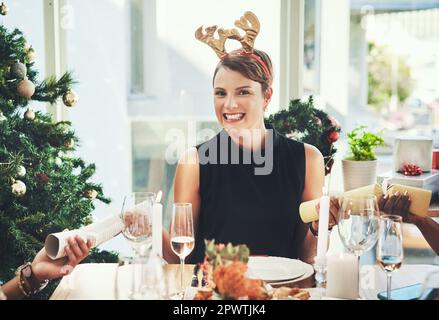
(358, 275)
(389, 285)
(182, 273)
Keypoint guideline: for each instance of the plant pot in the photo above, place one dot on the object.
(358, 174)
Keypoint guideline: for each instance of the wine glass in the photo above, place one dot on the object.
(430, 288)
(390, 250)
(182, 236)
(358, 223)
(137, 220)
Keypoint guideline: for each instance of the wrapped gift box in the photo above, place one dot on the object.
(413, 150)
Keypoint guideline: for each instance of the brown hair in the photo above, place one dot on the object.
(248, 67)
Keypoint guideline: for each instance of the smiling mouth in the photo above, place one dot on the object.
(233, 117)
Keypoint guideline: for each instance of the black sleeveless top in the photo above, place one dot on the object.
(242, 207)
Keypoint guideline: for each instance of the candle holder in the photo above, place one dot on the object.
(320, 272)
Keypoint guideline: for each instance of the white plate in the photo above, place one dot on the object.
(276, 269)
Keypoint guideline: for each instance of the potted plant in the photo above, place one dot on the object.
(359, 167)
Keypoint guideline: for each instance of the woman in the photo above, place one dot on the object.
(231, 202)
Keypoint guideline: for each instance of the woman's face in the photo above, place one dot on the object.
(239, 101)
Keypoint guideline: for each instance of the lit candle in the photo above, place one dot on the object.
(342, 276)
(157, 220)
(322, 241)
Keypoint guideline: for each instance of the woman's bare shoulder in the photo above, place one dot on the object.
(312, 153)
(189, 157)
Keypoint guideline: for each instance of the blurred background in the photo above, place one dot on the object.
(145, 82)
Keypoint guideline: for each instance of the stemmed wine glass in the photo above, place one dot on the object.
(358, 223)
(136, 217)
(182, 236)
(137, 220)
(390, 249)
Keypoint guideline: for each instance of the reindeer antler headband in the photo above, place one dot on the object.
(249, 23)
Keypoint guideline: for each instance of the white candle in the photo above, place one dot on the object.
(342, 276)
(322, 241)
(157, 222)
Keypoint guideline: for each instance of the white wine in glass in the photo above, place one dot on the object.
(390, 249)
(182, 236)
(182, 246)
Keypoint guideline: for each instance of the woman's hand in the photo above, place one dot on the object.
(397, 204)
(333, 214)
(45, 268)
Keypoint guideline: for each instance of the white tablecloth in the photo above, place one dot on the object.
(96, 281)
(373, 280)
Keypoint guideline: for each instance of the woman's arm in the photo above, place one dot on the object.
(186, 189)
(399, 204)
(314, 182)
(45, 268)
(429, 229)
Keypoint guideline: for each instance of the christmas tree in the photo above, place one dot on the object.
(44, 188)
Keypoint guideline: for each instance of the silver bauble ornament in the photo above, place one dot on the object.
(26, 88)
(70, 98)
(4, 9)
(29, 114)
(2, 117)
(18, 70)
(21, 171)
(19, 188)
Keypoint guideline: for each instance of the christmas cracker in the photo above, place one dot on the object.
(420, 200)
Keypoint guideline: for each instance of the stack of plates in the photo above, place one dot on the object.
(278, 270)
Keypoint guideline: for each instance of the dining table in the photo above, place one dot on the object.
(96, 281)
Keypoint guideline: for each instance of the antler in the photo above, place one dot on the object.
(250, 24)
(218, 45)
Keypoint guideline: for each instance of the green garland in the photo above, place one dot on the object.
(303, 122)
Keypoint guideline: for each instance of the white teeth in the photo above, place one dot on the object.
(235, 116)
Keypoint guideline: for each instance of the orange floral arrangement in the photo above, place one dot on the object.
(226, 269)
(225, 272)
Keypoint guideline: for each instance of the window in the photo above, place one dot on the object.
(311, 52)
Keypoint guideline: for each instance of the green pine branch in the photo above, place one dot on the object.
(50, 89)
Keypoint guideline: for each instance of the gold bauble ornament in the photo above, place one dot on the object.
(29, 114)
(18, 188)
(70, 98)
(69, 144)
(26, 88)
(31, 55)
(91, 194)
(4, 9)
